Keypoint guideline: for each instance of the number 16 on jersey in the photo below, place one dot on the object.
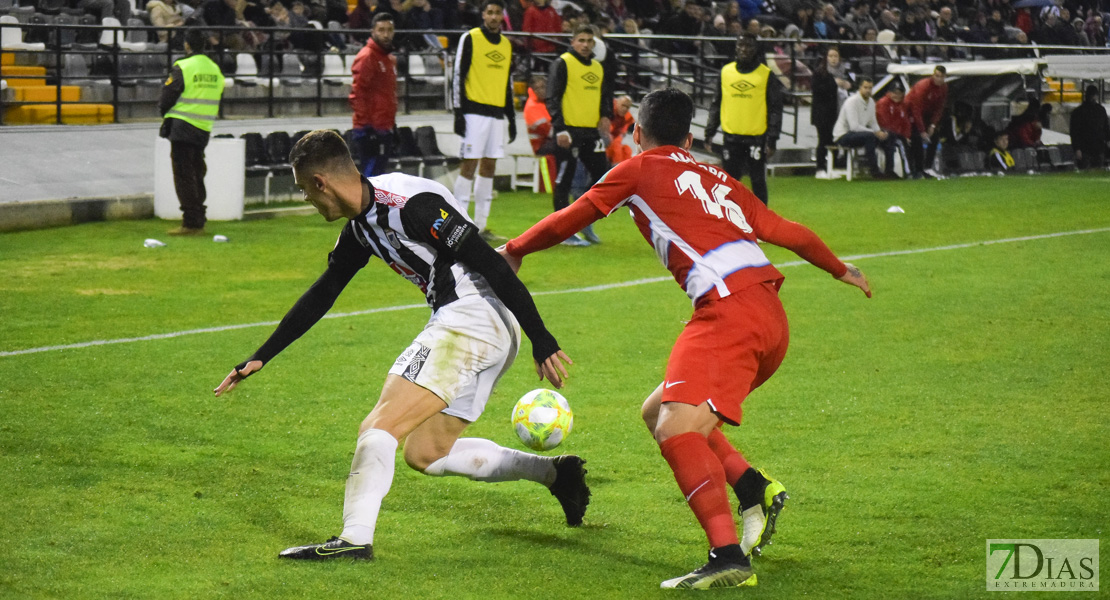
(716, 204)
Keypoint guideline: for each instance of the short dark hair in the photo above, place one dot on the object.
(665, 116)
(318, 151)
(382, 16)
(943, 70)
(865, 79)
(584, 28)
(196, 39)
(500, 3)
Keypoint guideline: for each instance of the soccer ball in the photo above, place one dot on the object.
(542, 419)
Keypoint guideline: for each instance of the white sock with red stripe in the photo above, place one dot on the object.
(482, 460)
(370, 479)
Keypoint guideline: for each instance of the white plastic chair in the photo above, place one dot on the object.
(11, 36)
(110, 37)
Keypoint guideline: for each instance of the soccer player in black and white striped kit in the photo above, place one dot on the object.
(441, 382)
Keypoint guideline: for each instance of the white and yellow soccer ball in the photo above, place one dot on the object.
(542, 419)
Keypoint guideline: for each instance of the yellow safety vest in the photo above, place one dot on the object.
(488, 76)
(199, 104)
(744, 100)
(582, 98)
(1007, 158)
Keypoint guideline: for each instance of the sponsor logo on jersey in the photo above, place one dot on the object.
(444, 218)
(389, 198)
(495, 56)
(743, 86)
(456, 236)
(591, 77)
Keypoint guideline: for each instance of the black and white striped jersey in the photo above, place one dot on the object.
(407, 226)
(415, 226)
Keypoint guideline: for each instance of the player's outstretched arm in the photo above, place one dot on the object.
(238, 374)
(553, 369)
(856, 277)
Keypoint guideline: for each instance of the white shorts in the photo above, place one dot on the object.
(485, 137)
(462, 353)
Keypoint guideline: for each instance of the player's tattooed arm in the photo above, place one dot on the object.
(856, 277)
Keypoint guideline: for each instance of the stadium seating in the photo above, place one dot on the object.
(406, 154)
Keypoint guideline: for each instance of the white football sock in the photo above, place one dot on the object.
(462, 191)
(483, 198)
(370, 479)
(482, 460)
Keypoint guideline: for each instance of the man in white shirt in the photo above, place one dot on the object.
(856, 127)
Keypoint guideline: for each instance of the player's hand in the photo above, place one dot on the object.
(563, 139)
(882, 135)
(514, 261)
(552, 368)
(856, 277)
(236, 375)
(709, 146)
(512, 129)
(460, 124)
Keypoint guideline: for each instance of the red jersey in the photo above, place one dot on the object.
(893, 116)
(926, 103)
(542, 20)
(373, 97)
(537, 119)
(703, 223)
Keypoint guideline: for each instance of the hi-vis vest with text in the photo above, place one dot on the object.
(582, 98)
(199, 104)
(744, 100)
(488, 77)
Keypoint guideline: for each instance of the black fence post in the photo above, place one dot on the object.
(58, 75)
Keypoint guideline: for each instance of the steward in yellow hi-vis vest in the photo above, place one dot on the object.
(580, 102)
(190, 104)
(747, 108)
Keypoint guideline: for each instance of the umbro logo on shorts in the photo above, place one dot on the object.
(416, 362)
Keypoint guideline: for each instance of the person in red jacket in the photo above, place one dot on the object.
(542, 18)
(894, 118)
(926, 102)
(373, 98)
(622, 119)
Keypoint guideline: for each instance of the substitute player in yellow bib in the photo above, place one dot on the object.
(581, 106)
(483, 98)
(747, 107)
(190, 103)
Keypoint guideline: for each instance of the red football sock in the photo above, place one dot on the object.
(702, 480)
(734, 463)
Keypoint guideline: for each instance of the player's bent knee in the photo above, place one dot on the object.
(419, 457)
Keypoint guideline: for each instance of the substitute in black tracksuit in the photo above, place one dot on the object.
(747, 107)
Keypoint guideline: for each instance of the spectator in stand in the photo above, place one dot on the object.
(1080, 28)
(686, 25)
(120, 9)
(620, 149)
(421, 16)
(1050, 32)
(618, 10)
(1021, 39)
(887, 20)
(894, 118)
(749, 9)
(827, 25)
(1025, 129)
(361, 17)
(926, 100)
(859, 18)
(913, 29)
(1090, 131)
(165, 13)
(1096, 33)
(373, 98)
(857, 127)
(804, 19)
(227, 13)
(872, 61)
(541, 17)
(1000, 158)
(469, 16)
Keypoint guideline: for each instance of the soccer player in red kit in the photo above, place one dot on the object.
(704, 226)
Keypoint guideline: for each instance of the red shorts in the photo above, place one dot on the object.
(729, 348)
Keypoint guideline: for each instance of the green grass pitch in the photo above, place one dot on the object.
(967, 400)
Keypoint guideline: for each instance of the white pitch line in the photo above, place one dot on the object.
(593, 288)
